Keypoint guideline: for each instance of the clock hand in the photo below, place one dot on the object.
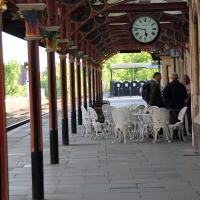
(140, 28)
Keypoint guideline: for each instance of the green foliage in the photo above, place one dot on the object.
(11, 77)
(136, 74)
(44, 82)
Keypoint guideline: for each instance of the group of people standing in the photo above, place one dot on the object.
(174, 97)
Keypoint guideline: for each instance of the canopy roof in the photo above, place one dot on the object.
(133, 65)
(101, 28)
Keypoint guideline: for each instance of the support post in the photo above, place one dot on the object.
(33, 37)
(174, 64)
(97, 83)
(78, 84)
(84, 84)
(101, 86)
(53, 124)
(4, 191)
(89, 83)
(64, 101)
(35, 120)
(72, 91)
(93, 84)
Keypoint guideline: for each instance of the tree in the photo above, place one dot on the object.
(12, 71)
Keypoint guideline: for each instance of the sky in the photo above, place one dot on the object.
(16, 49)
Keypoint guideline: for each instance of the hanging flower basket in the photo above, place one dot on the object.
(50, 41)
(80, 54)
(86, 58)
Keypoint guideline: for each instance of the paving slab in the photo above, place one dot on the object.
(97, 169)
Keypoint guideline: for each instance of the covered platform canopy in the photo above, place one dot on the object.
(88, 32)
(103, 28)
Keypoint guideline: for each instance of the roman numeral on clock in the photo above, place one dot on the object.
(136, 34)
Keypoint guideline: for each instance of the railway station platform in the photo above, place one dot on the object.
(99, 170)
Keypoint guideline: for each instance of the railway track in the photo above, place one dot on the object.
(19, 117)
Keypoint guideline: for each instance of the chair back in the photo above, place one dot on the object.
(181, 114)
(104, 107)
(104, 110)
(119, 117)
(93, 114)
(133, 106)
(127, 113)
(85, 114)
(109, 113)
(161, 116)
(139, 107)
(149, 118)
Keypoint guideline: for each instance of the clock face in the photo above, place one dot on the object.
(145, 29)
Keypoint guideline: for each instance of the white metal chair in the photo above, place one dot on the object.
(109, 122)
(133, 106)
(135, 120)
(104, 110)
(95, 124)
(179, 125)
(119, 118)
(147, 128)
(86, 121)
(161, 120)
(128, 115)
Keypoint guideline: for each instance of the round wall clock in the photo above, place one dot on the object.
(145, 29)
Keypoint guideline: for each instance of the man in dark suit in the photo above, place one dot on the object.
(155, 92)
(174, 94)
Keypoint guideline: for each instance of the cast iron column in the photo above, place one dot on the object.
(100, 84)
(33, 37)
(89, 83)
(53, 124)
(72, 91)
(84, 84)
(64, 101)
(35, 120)
(93, 83)
(78, 84)
(3, 137)
(96, 84)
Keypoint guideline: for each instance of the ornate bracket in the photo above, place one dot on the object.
(62, 47)
(50, 35)
(30, 12)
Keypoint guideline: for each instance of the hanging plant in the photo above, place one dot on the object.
(86, 58)
(79, 54)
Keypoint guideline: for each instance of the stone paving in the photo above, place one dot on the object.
(99, 170)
